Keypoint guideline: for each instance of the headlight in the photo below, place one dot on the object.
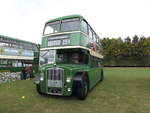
(69, 89)
(68, 79)
(41, 79)
(42, 76)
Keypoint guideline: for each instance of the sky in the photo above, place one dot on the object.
(25, 19)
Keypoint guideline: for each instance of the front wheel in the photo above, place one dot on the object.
(38, 89)
(82, 90)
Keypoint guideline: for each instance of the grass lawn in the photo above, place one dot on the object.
(124, 90)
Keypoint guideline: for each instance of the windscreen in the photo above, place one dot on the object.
(47, 57)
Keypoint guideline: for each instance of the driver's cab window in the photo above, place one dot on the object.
(62, 58)
(75, 58)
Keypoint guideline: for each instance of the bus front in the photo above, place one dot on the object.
(61, 57)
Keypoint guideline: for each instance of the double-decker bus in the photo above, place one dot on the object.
(70, 58)
(15, 54)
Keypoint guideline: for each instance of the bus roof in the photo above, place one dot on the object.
(16, 39)
(65, 17)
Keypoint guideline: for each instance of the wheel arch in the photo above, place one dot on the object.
(79, 76)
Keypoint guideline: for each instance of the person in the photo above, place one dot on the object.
(23, 74)
(27, 71)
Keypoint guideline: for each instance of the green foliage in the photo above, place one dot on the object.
(126, 52)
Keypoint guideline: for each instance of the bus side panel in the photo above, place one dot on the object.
(94, 76)
(44, 42)
(84, 40)
(75, 39)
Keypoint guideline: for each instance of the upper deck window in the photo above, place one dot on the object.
(52, 27)
(84, 27)
(90, 34)
(65, 25)
(70, 24)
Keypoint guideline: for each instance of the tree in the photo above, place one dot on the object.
(135, 39)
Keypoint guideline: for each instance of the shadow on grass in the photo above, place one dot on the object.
(47, 96)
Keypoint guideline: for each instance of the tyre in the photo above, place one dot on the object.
(82, 90)
(101, 76)
(38, 89)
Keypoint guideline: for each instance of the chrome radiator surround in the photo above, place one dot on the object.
(55, 80)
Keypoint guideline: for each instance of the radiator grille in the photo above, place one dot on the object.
(55, 77)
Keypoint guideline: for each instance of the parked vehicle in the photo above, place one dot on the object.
(70, 58)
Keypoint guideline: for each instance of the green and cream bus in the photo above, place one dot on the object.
(70, 58)
(15, 54)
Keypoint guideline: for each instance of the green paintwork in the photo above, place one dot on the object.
(69, 71)
(76, 39)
